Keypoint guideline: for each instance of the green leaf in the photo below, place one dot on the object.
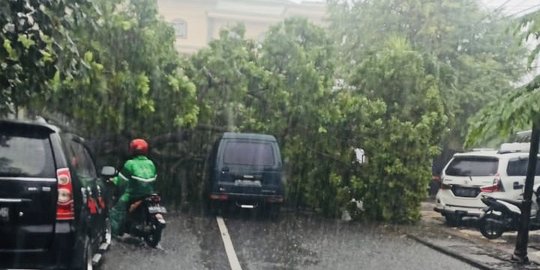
(25, 41)
(9, 49)
(88, 56)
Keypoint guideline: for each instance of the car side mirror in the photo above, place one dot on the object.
(108, 171)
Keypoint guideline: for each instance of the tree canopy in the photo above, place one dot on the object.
(399, 79)
(36, 43)
(519, 107)
(470, 52)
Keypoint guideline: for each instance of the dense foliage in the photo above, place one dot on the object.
(398, 79)
(470, 52)
(35, 44)
(518, 108)
(135, 82)
(286, 87)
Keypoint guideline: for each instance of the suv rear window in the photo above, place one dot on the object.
(248, 153)
(26, 154)
(472, 166)
(518, 167)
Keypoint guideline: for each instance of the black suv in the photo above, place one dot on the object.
(53, 213)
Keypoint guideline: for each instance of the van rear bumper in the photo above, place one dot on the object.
(242, 197)
(28, 259)
(58, 256)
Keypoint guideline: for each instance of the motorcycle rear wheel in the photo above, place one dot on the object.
(153, 238)
(490, 229)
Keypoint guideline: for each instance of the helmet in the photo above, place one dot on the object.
(138, 147)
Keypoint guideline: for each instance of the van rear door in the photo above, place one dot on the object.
(27, 187)
(254, 166)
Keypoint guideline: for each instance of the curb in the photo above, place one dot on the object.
(473, 239)
(487, 242)
(451, 253)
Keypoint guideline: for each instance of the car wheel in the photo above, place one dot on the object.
(452, 220)
(212, 208)
(85, 256)
(219, 208)
(490, 228)
(274, 211)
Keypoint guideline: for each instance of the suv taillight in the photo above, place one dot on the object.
(443, 185)
(495, 187)
(65, 208)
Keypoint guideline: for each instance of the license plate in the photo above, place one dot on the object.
(248, 183)
(465, 192)
(4, 214)
(157, 209)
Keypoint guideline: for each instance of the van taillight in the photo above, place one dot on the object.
(219, 197)
(65, 208)
(495, 187)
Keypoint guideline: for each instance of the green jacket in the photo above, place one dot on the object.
(138, 177)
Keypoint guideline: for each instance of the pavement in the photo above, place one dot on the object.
(294, 241)
(242, 240)
(467, 243)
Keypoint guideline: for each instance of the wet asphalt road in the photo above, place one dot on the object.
(292, 242)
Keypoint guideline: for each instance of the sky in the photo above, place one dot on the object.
(513, 7)
(509, 7)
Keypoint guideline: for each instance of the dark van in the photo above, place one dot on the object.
(52, 209)
(246, 171)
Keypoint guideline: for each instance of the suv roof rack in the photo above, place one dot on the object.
(483, 149)
(517, 147)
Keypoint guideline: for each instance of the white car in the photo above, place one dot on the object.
(500, 174)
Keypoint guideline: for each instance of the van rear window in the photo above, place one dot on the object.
(472, 166)
(518, 167)
(249, 153)
(25, 154)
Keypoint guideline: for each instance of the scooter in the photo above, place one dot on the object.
(503, 215)
(145, 219)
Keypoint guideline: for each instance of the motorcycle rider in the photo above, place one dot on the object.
(137, 177)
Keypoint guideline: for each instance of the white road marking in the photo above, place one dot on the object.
(229, 248)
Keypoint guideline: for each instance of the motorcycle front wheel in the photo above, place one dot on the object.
(491, 226)
(153, 238)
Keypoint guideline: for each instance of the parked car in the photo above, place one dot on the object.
(437, 166)
(246, 171)
(52, 212)
(468, 175)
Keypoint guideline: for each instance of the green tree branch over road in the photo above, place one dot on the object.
(396, 78)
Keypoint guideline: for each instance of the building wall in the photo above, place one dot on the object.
(194, 14)
(201, 20)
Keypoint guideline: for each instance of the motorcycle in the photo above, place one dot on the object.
(503, 215)
(145, 217)
(146, 220)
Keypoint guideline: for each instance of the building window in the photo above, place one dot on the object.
(180, 28)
